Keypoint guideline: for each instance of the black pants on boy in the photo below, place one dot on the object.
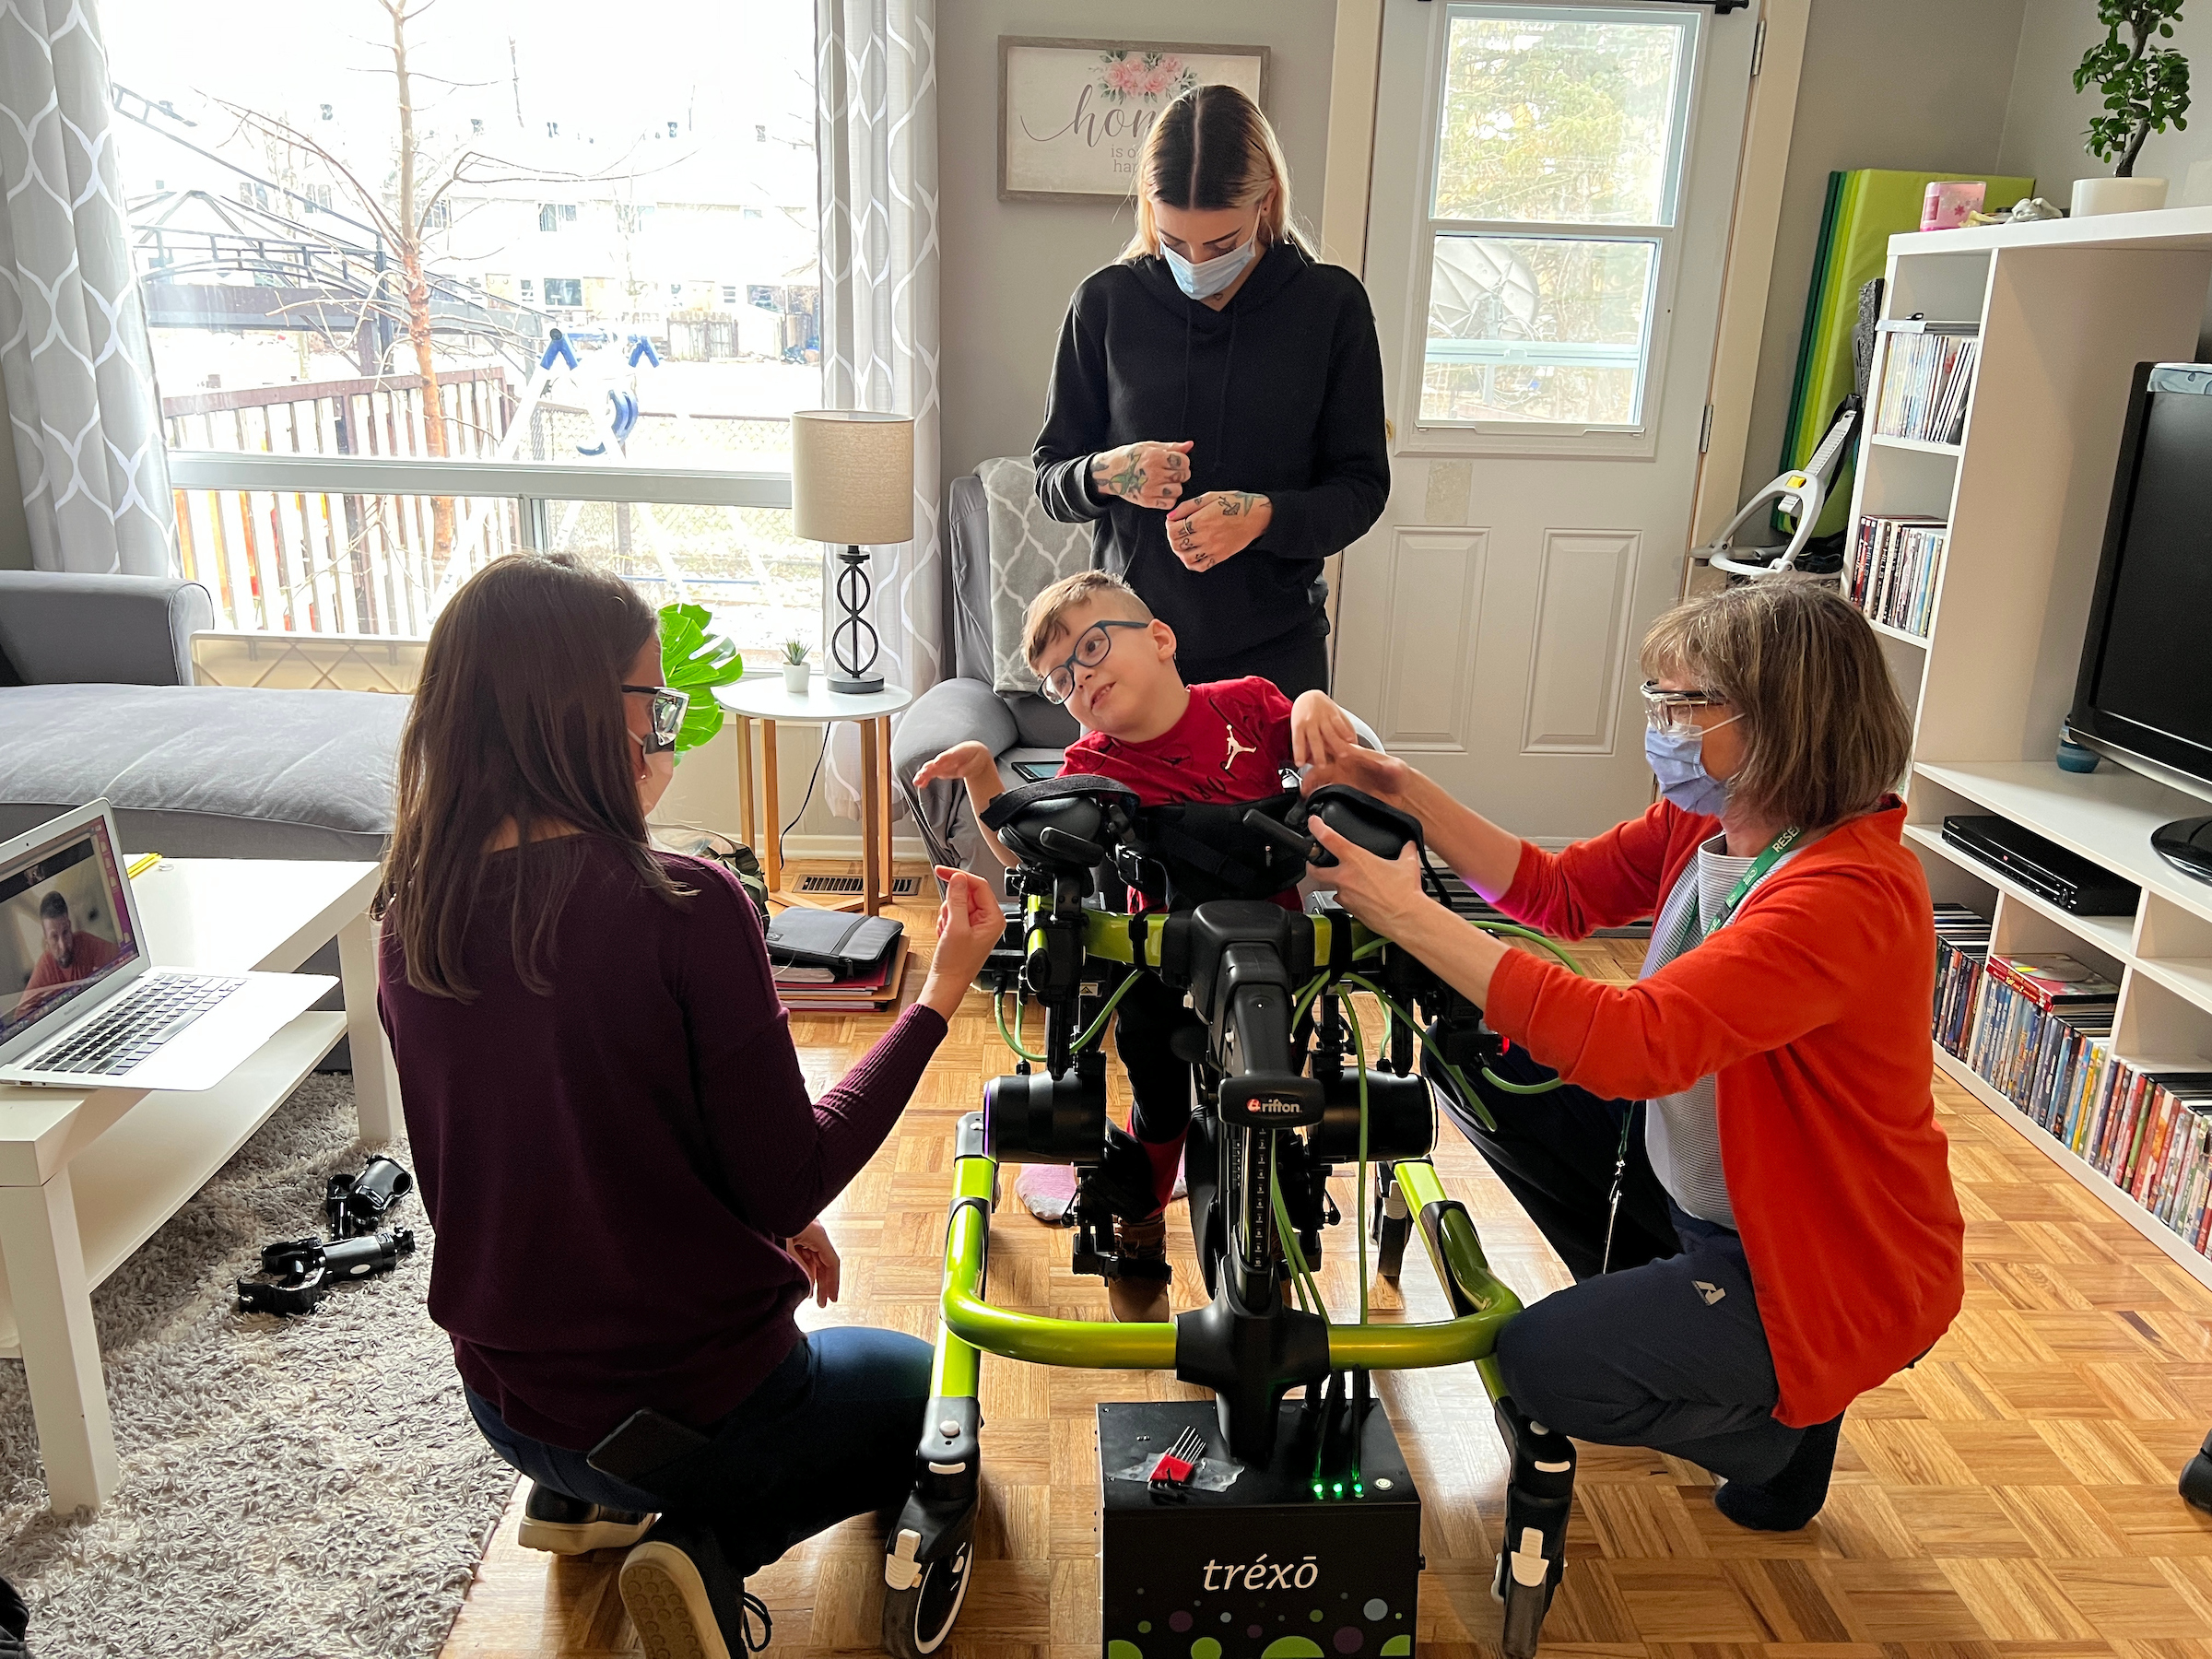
(1665, 1348)
(1145, 1024)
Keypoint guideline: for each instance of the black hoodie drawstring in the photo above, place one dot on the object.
(1228, 369)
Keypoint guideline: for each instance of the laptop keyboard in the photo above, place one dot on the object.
(137, 1024)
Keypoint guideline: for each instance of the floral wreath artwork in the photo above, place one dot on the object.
(1135, 72)
(1073, 114)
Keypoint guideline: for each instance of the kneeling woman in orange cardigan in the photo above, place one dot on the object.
(1742, 1167)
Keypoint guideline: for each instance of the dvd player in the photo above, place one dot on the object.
(2045, 868)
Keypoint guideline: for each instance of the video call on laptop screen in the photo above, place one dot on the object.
(63, 926)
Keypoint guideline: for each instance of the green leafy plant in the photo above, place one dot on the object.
(2146, 86)
(796, 651)
(695, 660)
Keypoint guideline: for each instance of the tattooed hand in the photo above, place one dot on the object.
(1151, 475)
(1217, 525)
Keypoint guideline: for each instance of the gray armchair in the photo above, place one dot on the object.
(1015, 725)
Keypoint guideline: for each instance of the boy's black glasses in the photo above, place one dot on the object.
(1091, 646)
(668, 707)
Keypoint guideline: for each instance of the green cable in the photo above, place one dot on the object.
(1099, 1024)
(1012, 1039)
(1300, 1274)
(1465, 1089)
(1529, 933)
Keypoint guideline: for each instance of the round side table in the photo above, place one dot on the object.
(765, 701)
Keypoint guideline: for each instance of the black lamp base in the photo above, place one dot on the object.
(852, 638)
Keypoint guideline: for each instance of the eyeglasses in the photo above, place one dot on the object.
(1091, 646)
(667, 718)
(1670, 711)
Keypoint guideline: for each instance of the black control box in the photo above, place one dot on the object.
(1306, 1557)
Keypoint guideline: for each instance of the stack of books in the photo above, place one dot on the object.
(2035, 1018)
(809, 990)
(2039, 1030)
(1961, 946)
(1925, 388)
(1895, 563)
(2149, 1132)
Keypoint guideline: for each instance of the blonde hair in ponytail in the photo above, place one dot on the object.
(1212, 149)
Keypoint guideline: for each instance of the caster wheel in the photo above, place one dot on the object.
(917, 1620)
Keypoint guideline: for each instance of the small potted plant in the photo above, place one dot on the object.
(797, 668)
(2145, 90)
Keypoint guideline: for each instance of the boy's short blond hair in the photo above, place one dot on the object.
(1050, 608)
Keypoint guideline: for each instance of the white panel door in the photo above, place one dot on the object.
(1553, 185)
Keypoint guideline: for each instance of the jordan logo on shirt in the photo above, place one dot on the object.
(1236, 747)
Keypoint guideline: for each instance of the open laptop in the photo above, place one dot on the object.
(80, 1004)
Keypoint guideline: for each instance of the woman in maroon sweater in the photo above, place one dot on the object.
(616, 1145)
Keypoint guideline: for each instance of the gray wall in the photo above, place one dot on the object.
(1006, 268)
(15, 534)
(1907, 84)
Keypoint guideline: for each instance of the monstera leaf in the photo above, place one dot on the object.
(696, 661)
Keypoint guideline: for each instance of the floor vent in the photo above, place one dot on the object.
(903, 886)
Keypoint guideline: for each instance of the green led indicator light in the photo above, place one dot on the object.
(1358, 1490)
(1317, 1489)
(1340, 1489)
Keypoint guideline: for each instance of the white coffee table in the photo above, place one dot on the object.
(87, 1177)
(765, 700)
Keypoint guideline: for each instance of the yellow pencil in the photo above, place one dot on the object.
(142, 864)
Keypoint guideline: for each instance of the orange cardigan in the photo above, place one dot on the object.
(1812, 1008)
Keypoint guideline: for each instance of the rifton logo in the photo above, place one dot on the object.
(1265, 1574)
(1273, 1106)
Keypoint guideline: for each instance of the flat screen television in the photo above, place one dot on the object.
(2144, 695)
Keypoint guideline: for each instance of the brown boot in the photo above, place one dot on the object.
(1140, 1300)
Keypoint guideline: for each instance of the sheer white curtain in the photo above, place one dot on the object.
(81, 403)
(875, 130)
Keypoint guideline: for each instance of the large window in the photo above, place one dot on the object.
(482, 233)
(1559, 156)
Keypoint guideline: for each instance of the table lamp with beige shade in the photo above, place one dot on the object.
(853, 483)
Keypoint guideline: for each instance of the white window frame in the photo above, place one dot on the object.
(1636, 441)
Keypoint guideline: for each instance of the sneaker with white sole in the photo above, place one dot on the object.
(565, 1525)
(685, 1602)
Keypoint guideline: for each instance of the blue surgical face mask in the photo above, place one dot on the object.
(1677, 759)
(1208, 277)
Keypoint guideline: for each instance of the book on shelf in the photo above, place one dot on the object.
(2039, 1030)
(1924, 387)
(1896, 561)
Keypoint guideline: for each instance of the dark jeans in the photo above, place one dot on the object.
(830, 1435)
(1295, 665)
(1666, 1348)
(1145, 1022)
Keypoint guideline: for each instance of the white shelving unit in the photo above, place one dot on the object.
(2066, 309)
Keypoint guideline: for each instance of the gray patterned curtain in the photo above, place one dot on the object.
(875, 130)
(73, 345)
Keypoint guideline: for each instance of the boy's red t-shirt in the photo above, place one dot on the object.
(1232, 744)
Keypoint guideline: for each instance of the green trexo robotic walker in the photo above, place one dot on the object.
(1302, 1525)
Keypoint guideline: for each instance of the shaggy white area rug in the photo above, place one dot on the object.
(290, 1487)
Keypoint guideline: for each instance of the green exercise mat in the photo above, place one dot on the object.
(1866, 207)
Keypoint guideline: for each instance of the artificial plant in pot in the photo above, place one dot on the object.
(2145, 89)
(797, 669)
(695, 659)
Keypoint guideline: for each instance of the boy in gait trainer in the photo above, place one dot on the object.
(1102, 653)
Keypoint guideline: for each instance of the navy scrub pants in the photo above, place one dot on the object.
(1666, 1349)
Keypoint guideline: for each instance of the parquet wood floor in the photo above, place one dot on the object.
(2011, 1497)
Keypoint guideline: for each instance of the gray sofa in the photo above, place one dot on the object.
(1017, 727)
(96, 698)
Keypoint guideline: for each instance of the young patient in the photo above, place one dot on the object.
(1102, 652)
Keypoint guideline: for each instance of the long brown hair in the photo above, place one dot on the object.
(518, 717)
(1212, 149)
(1826, 735)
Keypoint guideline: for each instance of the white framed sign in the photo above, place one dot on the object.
(1073, 114)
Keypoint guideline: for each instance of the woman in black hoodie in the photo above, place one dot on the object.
(1216, 404)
